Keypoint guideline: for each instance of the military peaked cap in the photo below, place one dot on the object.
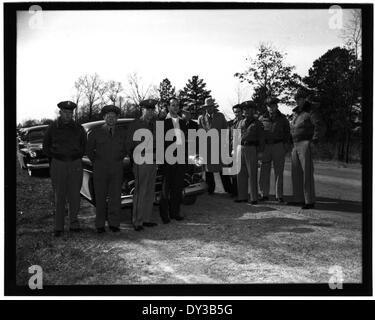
(272, 100)
(67, 105)
(148, 103)
(248, 105)
(302, 93)
(110, 108)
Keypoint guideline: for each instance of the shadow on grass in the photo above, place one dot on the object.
(329, 204)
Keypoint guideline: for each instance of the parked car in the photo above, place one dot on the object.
(194, 183)
(29, 149)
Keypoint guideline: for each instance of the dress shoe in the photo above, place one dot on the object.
(57, 234)
(253, 202)
(100, 230)
(264, 198)
(238, 200)
(75, 229)
(294, 203)
(178, 218)
(149, 224)
(138, 228)
(114, 229)
(280, 200)
(308, 206)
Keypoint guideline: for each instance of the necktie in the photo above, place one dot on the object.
(110, 131)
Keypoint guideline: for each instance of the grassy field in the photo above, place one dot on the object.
(218, 242)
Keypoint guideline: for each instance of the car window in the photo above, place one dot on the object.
(35, 135)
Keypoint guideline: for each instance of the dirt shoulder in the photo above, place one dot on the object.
(218, 242)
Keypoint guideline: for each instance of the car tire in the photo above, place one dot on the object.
(189, 200)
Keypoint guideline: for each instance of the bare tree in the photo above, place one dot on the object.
(113, 89)
(93, 90)
(77, 96)
(137, 91)
(352, 32)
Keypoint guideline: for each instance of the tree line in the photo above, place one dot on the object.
(334, 80)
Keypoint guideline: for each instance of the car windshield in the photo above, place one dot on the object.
(36, 135)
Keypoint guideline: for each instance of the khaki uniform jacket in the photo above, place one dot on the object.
(306, 124)
(252, 132)
(276, 127)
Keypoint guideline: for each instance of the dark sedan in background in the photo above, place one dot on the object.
(29, 149)
(194, 183)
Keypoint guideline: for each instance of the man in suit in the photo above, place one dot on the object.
(213, 119)
(252, 146)
(106, 149)
(307, 128)
(64, 143)
(277, 139)
(233, 124)
(173, 174)
(144, 173)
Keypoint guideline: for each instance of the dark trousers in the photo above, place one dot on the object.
(225, 179)
(234, 190)
(171, 195)
(107, 184)
(66, 182)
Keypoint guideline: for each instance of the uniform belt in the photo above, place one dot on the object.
(274, 141)
(301, 138)
(62, 157)
(250, 143)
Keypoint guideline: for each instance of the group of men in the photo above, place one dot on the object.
(267, 139)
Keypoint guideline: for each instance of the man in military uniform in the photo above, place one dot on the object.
(106, 149)
(307, 129)
(145, 173)
(252, 146)
(64, 143)
(277, 139)
(233, 124)
(213, 119)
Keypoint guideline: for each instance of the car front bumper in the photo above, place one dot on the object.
(189, 191)
(34, 166)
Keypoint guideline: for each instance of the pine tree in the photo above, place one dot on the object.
(194, 94)
(166, 92)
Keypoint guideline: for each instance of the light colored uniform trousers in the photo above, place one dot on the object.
(107, 183)
(303, 172)
(273, 154)
(144, 194)
(66, 179)
(247, 181)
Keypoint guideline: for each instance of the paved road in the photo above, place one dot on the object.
(331, 181)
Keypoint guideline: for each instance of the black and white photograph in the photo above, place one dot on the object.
(174, 148)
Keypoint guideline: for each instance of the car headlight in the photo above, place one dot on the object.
(32, 154)
(196, 160)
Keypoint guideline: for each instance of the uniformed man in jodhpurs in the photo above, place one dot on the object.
(307, 128)
(233, 124)
(252, 146)
(106, 148)
(64, 143)
(144, 173)
(277, 139)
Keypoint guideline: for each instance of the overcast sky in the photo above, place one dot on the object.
(157, 44)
